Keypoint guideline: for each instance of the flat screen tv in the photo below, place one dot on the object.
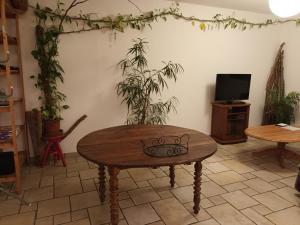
(232, 87)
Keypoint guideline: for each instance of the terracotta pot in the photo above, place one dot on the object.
(51, 128)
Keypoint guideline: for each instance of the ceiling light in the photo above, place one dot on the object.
(285, 8)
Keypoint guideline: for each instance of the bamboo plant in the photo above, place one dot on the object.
(142, 85)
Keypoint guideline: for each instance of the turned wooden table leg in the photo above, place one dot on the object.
(172, 175)
(197, 186)
(101, 173)
(281, 153)
(114, 201)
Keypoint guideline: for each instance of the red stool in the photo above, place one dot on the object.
(53, 148)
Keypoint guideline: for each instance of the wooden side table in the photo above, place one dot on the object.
(120, 148)
(277, 134)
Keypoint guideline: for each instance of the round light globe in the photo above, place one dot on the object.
(285, 8)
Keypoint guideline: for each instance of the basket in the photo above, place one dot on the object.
(166, 146)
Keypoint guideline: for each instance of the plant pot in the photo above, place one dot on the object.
(297, 184)
(51, 128)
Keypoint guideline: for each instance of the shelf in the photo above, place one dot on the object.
(6, 108)
(12, 72)
(8, 178)
(11, 40)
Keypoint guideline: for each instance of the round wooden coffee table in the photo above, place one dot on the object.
(121, 148)
(277, 134)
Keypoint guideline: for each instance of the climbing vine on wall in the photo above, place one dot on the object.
(89, 22)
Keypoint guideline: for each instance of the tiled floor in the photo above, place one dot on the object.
(237, 189)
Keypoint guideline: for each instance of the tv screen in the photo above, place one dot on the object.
(230, 87)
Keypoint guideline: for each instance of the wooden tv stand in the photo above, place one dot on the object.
(229, 121)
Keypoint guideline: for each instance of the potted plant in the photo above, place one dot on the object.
(285, 107)
(141, 85)
(50, 74)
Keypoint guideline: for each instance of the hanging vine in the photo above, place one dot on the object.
(89, 22)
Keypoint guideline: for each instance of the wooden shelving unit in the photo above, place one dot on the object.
(229, 122)
(10, 42)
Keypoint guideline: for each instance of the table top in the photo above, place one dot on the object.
(121, 146)
(273, 133)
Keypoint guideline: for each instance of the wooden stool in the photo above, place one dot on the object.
(53, 147)
(53, 144)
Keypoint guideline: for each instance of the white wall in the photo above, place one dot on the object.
(90, 59)
(290, 35)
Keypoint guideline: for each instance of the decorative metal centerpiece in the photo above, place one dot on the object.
(166, 146)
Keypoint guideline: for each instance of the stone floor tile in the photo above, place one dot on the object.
(84, 200)
(210, 189)
(207, 222)
(206, 203)
(141, 174)
(46, 181)
(278, 184)
(248, 175)
(289, 194)
(290, 181)
(79, 214)
(235, 186)
(38, 194)
(227, 215)
(45, 221)
(290, 216)
(160, 183)
(165, 194)
(53, 171)
(127, 184)
(272, 201)
(250, 191)
(275, 168)
(261, 209)
(227, 177)
(100, 214)
(53, 207)
(79, 222)
(256, 217)
(67, 186)
(88, 185)
(142, 184)
(201, 216)
(126, 203)
(237, 166)
(239, 200)
(158, 172)
(27, 208)
(77, 166)
(183, 178)
(259, 185)
(184, 194)
(140, 215)
(30, 181)
(217, 200)
(266, 175)
(123, 195)
(143, 195)
(19, 219)
(216, 167)
(62, 218)
(88, 174)
(122, 174)
(157, 223)
(172, 212)
(9, 207)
